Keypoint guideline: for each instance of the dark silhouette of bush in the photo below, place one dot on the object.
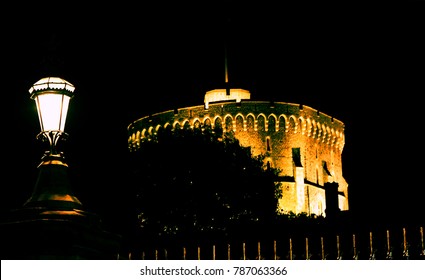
(201, 184)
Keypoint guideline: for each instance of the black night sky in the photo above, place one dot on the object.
(362, 64)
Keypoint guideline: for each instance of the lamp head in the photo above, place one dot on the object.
(52, 96)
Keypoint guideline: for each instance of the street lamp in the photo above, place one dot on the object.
(52, 223)
(52, 96)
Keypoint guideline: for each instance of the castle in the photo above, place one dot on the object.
(304, 144)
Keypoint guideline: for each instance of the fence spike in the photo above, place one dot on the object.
(389, 253)
(259, 250)
(338, 249)
(290, 248)
(422, 242)
(405, 248)
(306, 249)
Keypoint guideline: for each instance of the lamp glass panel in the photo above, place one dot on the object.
(52, 111)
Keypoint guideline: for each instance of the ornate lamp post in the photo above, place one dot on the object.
(52, 223)
(52, 96)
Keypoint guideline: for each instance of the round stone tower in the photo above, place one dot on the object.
(304, 144)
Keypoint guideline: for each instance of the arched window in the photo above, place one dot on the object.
(197, 125)
(228, 124)
(250, 123)
(239, 123)
(261, 124)
(282, 124)
(218, 128)
(272, 124)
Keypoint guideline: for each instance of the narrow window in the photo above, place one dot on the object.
(268, 144)
(317, 176)
(296, 157)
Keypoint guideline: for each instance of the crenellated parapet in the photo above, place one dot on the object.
(256, 116)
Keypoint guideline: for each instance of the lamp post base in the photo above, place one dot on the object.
(34, 233)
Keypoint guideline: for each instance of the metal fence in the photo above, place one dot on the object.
(399, 243)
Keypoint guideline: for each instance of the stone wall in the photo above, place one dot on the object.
(303, 143)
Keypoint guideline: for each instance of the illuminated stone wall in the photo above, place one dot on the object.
(306, 145)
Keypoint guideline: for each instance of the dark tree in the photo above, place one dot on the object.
(201, 184)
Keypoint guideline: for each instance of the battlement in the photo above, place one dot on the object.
(248, 115)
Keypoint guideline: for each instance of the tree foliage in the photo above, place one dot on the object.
(201, 183)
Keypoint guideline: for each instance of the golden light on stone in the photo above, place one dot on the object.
(272, 128)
